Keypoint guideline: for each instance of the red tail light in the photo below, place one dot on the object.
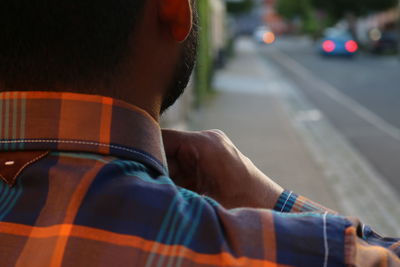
(328, 46)
(351, 46)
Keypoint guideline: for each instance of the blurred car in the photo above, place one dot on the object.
(264, 35)
(337, 42)
(383, 42)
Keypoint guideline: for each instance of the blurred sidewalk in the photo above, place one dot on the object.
(271, 122)
(248, 109)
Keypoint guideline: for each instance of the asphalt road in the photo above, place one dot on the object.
(370, 86)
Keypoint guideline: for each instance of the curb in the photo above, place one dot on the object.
(360, 190)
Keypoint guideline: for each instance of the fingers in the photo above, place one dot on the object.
(177, 140)
(173, 140)
(181, 150)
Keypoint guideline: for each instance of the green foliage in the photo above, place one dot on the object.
(203, 69)
(311, 24)
(340, 8)
(291, 9)
(334, 10)
(300, 9)
(239, 7)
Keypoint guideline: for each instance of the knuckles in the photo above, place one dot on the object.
(217, 141)
(216, 135)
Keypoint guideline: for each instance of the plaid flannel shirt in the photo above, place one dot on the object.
(85, 183)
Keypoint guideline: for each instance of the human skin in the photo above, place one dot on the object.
(208, 163)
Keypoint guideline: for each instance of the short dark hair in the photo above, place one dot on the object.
(48, 41)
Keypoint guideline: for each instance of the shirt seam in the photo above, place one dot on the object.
(326, 243)
(287, 199)
(91, 143)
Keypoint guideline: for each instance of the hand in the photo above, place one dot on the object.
(208, 163)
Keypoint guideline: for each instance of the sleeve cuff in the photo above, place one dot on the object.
(289, 202)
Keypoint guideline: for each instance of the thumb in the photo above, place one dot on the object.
(173, 140)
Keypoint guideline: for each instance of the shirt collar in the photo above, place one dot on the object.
(80, 123)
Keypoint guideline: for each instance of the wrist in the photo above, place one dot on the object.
(271, 192)
(258, 191)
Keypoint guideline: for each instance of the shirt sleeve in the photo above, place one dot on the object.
(215, 236)
(289, 202)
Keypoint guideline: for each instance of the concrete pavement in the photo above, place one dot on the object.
(248, 109)
(360, 97)
(291, 141)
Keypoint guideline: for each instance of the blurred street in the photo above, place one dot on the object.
(264, 108)
(319, 117)
(360, 96)
(371, 80)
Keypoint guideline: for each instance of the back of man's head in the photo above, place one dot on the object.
(44, 42)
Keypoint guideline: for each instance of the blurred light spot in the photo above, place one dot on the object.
(351, 46)
(375, 34)
(269, 37)
(328, 46)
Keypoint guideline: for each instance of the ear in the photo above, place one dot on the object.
(177, 16)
